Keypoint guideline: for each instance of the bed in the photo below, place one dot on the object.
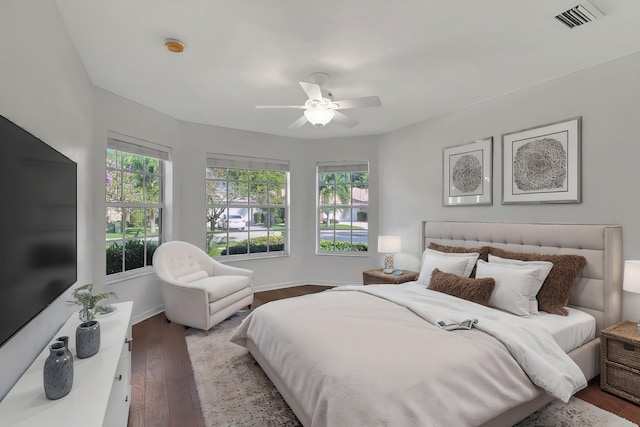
(357, 358)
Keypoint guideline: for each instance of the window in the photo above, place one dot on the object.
(247, 206)
(134, 183)
(343, 201)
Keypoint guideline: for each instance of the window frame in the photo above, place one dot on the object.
(338, 167)
(249, 165)
(143, 149)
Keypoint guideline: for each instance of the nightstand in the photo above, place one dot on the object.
(373, 277)
(620, 361)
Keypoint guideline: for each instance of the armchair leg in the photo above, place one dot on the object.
(206, 332)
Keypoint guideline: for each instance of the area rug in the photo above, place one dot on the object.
(234, 391)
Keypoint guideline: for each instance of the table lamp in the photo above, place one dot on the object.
(631, 280)
(388, 245)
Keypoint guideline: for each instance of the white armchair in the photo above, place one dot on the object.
(198, 291)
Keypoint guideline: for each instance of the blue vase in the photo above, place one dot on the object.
(87, 339)
(58, 372)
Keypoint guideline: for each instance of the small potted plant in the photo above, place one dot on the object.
(88, 332)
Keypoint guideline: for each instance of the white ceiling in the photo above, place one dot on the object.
(423, 58)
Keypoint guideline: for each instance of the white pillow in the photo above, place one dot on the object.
(544, 269)
(515, 285)
(192, 277)
(459, 264)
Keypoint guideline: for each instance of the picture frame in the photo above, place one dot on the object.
(543, 164)
(467, 173)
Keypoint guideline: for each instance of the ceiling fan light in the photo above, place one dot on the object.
(319, 116)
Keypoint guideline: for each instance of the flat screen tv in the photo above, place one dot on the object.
(38, 227)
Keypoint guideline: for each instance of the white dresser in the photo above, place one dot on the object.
(100, 396)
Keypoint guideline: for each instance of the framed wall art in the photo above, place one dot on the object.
(542, 164)
(467, 173)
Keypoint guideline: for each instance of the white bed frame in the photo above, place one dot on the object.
(598, 290)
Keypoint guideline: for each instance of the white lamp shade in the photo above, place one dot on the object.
(319, 116)
(631, 282)
(389, 244)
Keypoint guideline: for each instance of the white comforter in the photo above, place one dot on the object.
(369, 357)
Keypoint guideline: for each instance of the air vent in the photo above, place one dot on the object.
(580, 14)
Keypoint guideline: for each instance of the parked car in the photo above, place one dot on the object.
(233, 221)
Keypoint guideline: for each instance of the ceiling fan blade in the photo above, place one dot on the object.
(367, 101)
(280, 106)
(298, 123)
(312, 90)
(344, 120)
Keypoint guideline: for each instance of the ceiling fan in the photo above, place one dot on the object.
(320, 110)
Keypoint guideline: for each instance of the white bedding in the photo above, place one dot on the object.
(351, 358)
(535, 350)
(569, 332)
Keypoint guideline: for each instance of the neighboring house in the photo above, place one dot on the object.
(358, 195)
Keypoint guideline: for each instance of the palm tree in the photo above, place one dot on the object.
(334, 188)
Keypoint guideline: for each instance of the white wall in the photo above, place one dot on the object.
(45, 90)
(605, 96)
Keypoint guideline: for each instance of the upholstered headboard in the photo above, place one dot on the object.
(598, 290)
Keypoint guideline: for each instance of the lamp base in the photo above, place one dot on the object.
(388, 264)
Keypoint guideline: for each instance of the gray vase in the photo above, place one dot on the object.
(58, 372)
(65, 340)
(87, 339)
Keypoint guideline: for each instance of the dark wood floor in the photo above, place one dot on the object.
(163, 389)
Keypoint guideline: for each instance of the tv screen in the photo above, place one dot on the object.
(38, 227)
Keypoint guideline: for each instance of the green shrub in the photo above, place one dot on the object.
(257, 245)
(258, 217)
(277, 220)
(361, 216)
(328, 245)
(134, 255)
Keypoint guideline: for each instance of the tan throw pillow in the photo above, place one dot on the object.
(474, 290)
(482, 250)
(554, 295)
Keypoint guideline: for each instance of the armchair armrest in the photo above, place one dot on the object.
(220, 269)
(185, 304)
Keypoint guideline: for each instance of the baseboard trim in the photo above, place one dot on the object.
(147, 314)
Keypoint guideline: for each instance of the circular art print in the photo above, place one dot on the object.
(466, 174)
(540, 165)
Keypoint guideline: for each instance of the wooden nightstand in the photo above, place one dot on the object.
(620, 361)
(372, 277)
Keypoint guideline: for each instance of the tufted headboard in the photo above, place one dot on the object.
(598, 290)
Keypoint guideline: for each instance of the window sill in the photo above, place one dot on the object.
(233, 258)
(337, 253)
(128, 275)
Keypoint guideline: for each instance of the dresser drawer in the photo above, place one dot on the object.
(623, 353)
